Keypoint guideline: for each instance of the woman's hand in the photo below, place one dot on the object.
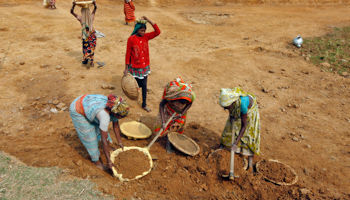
(121, 146)
(110, 165)
(125, 72)
(234, 147)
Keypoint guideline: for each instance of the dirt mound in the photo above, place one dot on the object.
(277, 172)
(131, 163)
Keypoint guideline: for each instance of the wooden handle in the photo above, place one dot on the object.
(160, 131)
(232, 163)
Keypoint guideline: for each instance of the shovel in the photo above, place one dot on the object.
(231, 175)
(159, 132)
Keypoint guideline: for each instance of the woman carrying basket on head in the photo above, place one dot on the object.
(91, 115)
(137, 55)
(177, 97)
(88, 32)
(244, 113)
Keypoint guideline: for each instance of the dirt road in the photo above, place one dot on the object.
(304, 112)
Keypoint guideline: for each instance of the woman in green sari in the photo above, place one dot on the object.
(244, 114)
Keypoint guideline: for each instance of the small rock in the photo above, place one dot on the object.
(59, 67)
(344, 73)
(104, 190)
(305, 191)
(306, 171)
(308, 146)
(37, 98)
(22, 63)
(271, 71)
(110, 86)
(55, 102)
(44, 66)
(295, 139)
(54, 110)
(154, 157)
(64, 108)
(307, 59)
(104, 86)
(325, 64)
(60, 105)
(264, 90)
(292, 133)
(204, 187)
(79, 162)
(194, 125)
(201, 169)
(301, 136)
(51, 130)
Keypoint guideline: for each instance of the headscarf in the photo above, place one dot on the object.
(141, 23)
(178, 89)
(86, 21)
(118, 105)
(229, 96)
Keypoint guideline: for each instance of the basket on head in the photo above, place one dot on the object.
(115, 153)
(83, 3)
(184, 143)
(130, 87)
(276, 182)
(135, 130)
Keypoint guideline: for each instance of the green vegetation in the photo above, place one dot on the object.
(22, 182)
(333, 48)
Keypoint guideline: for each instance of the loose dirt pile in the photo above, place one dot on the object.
(131, 163)
(276, 171)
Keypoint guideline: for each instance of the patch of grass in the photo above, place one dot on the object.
(333, 48)
(22, 182)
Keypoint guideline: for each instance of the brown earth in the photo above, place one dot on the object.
(132, 163)
(305, 117)
(276, 172)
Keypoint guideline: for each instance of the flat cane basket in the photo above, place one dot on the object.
(83, 3)
(184, 143)
(135, 130)
(276, 182)
(130, 87)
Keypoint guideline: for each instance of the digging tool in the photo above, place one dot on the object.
(231, 175)
(160, 131)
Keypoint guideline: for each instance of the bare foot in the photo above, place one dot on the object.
(101, 166)
(146, 109)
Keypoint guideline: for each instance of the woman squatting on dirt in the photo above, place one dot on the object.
(177, 97)
(243, 113)
(88, 32)
(91, 115)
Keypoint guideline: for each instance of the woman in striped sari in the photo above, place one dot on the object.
(129, 10)
(91, 115)
(177, 97)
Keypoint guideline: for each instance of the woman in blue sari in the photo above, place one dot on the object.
(91, 115)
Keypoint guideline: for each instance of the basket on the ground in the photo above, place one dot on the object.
(184, 143)
(83, 3)
(115, 153)
(130, 87)
(276, 182)
(135, 130)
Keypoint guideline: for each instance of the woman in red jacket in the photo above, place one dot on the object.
(137, 55)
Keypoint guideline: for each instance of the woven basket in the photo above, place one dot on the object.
(115, 153)
(130, 87)
(184, 143)
(83, 3)
(135, 130)
(278, 183)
